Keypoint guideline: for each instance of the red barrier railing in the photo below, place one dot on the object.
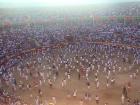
(63, 44)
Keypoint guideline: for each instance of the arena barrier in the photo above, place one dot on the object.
(61, 45)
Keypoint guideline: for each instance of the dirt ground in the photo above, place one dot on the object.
(111, 95)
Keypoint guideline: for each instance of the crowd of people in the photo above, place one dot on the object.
(95, 65)
(16, 39)
(33, 15)
(88, 61)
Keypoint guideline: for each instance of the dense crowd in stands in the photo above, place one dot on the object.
(18, 16)
(17, 39)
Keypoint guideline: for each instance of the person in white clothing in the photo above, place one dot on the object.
(122, 99)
